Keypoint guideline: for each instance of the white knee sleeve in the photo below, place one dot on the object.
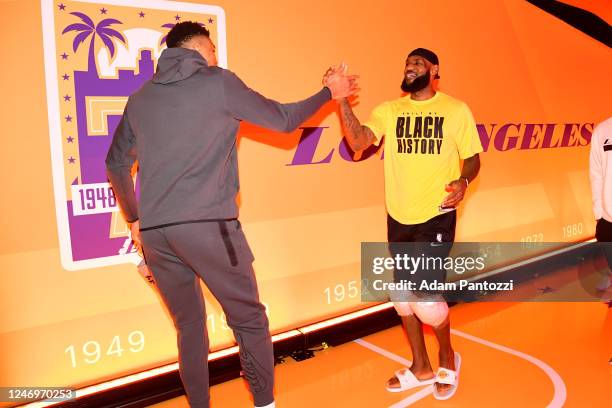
(431, 313)
(403, 308)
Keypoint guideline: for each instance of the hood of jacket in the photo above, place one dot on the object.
(176, 64)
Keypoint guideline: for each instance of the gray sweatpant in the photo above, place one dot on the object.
(216, 252)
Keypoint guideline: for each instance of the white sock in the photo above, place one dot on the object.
(270, 405)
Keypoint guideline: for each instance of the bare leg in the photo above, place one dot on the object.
(421, 367)
(446, 353)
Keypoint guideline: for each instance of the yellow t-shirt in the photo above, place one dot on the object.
(424, 142)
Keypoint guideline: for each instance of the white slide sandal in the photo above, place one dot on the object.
(450, 377)
(407, 380)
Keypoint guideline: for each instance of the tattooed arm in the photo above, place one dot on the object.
(359, 137)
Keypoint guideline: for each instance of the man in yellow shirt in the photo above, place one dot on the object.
(427, 134)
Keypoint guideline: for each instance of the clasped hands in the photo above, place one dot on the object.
(340, 83)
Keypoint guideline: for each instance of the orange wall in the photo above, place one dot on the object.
(511, 62)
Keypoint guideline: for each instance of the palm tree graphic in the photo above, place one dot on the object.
(88, 28)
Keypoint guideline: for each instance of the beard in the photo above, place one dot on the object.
(419, 83)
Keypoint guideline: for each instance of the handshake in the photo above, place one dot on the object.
(339, 82)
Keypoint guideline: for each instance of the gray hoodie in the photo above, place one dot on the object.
(181, 127)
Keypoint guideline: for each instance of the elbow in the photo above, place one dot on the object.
(284, 125)
(289, 124)
(358, 147)
(110, 162)
(284, 121)
(111, 173)
(113, 170)
(355, 146)
(289, 127)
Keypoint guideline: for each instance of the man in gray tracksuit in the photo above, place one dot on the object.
(181, 127)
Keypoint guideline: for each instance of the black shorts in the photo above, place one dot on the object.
(440, 228)
(430, 240)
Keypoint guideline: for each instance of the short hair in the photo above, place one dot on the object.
(185, 31)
